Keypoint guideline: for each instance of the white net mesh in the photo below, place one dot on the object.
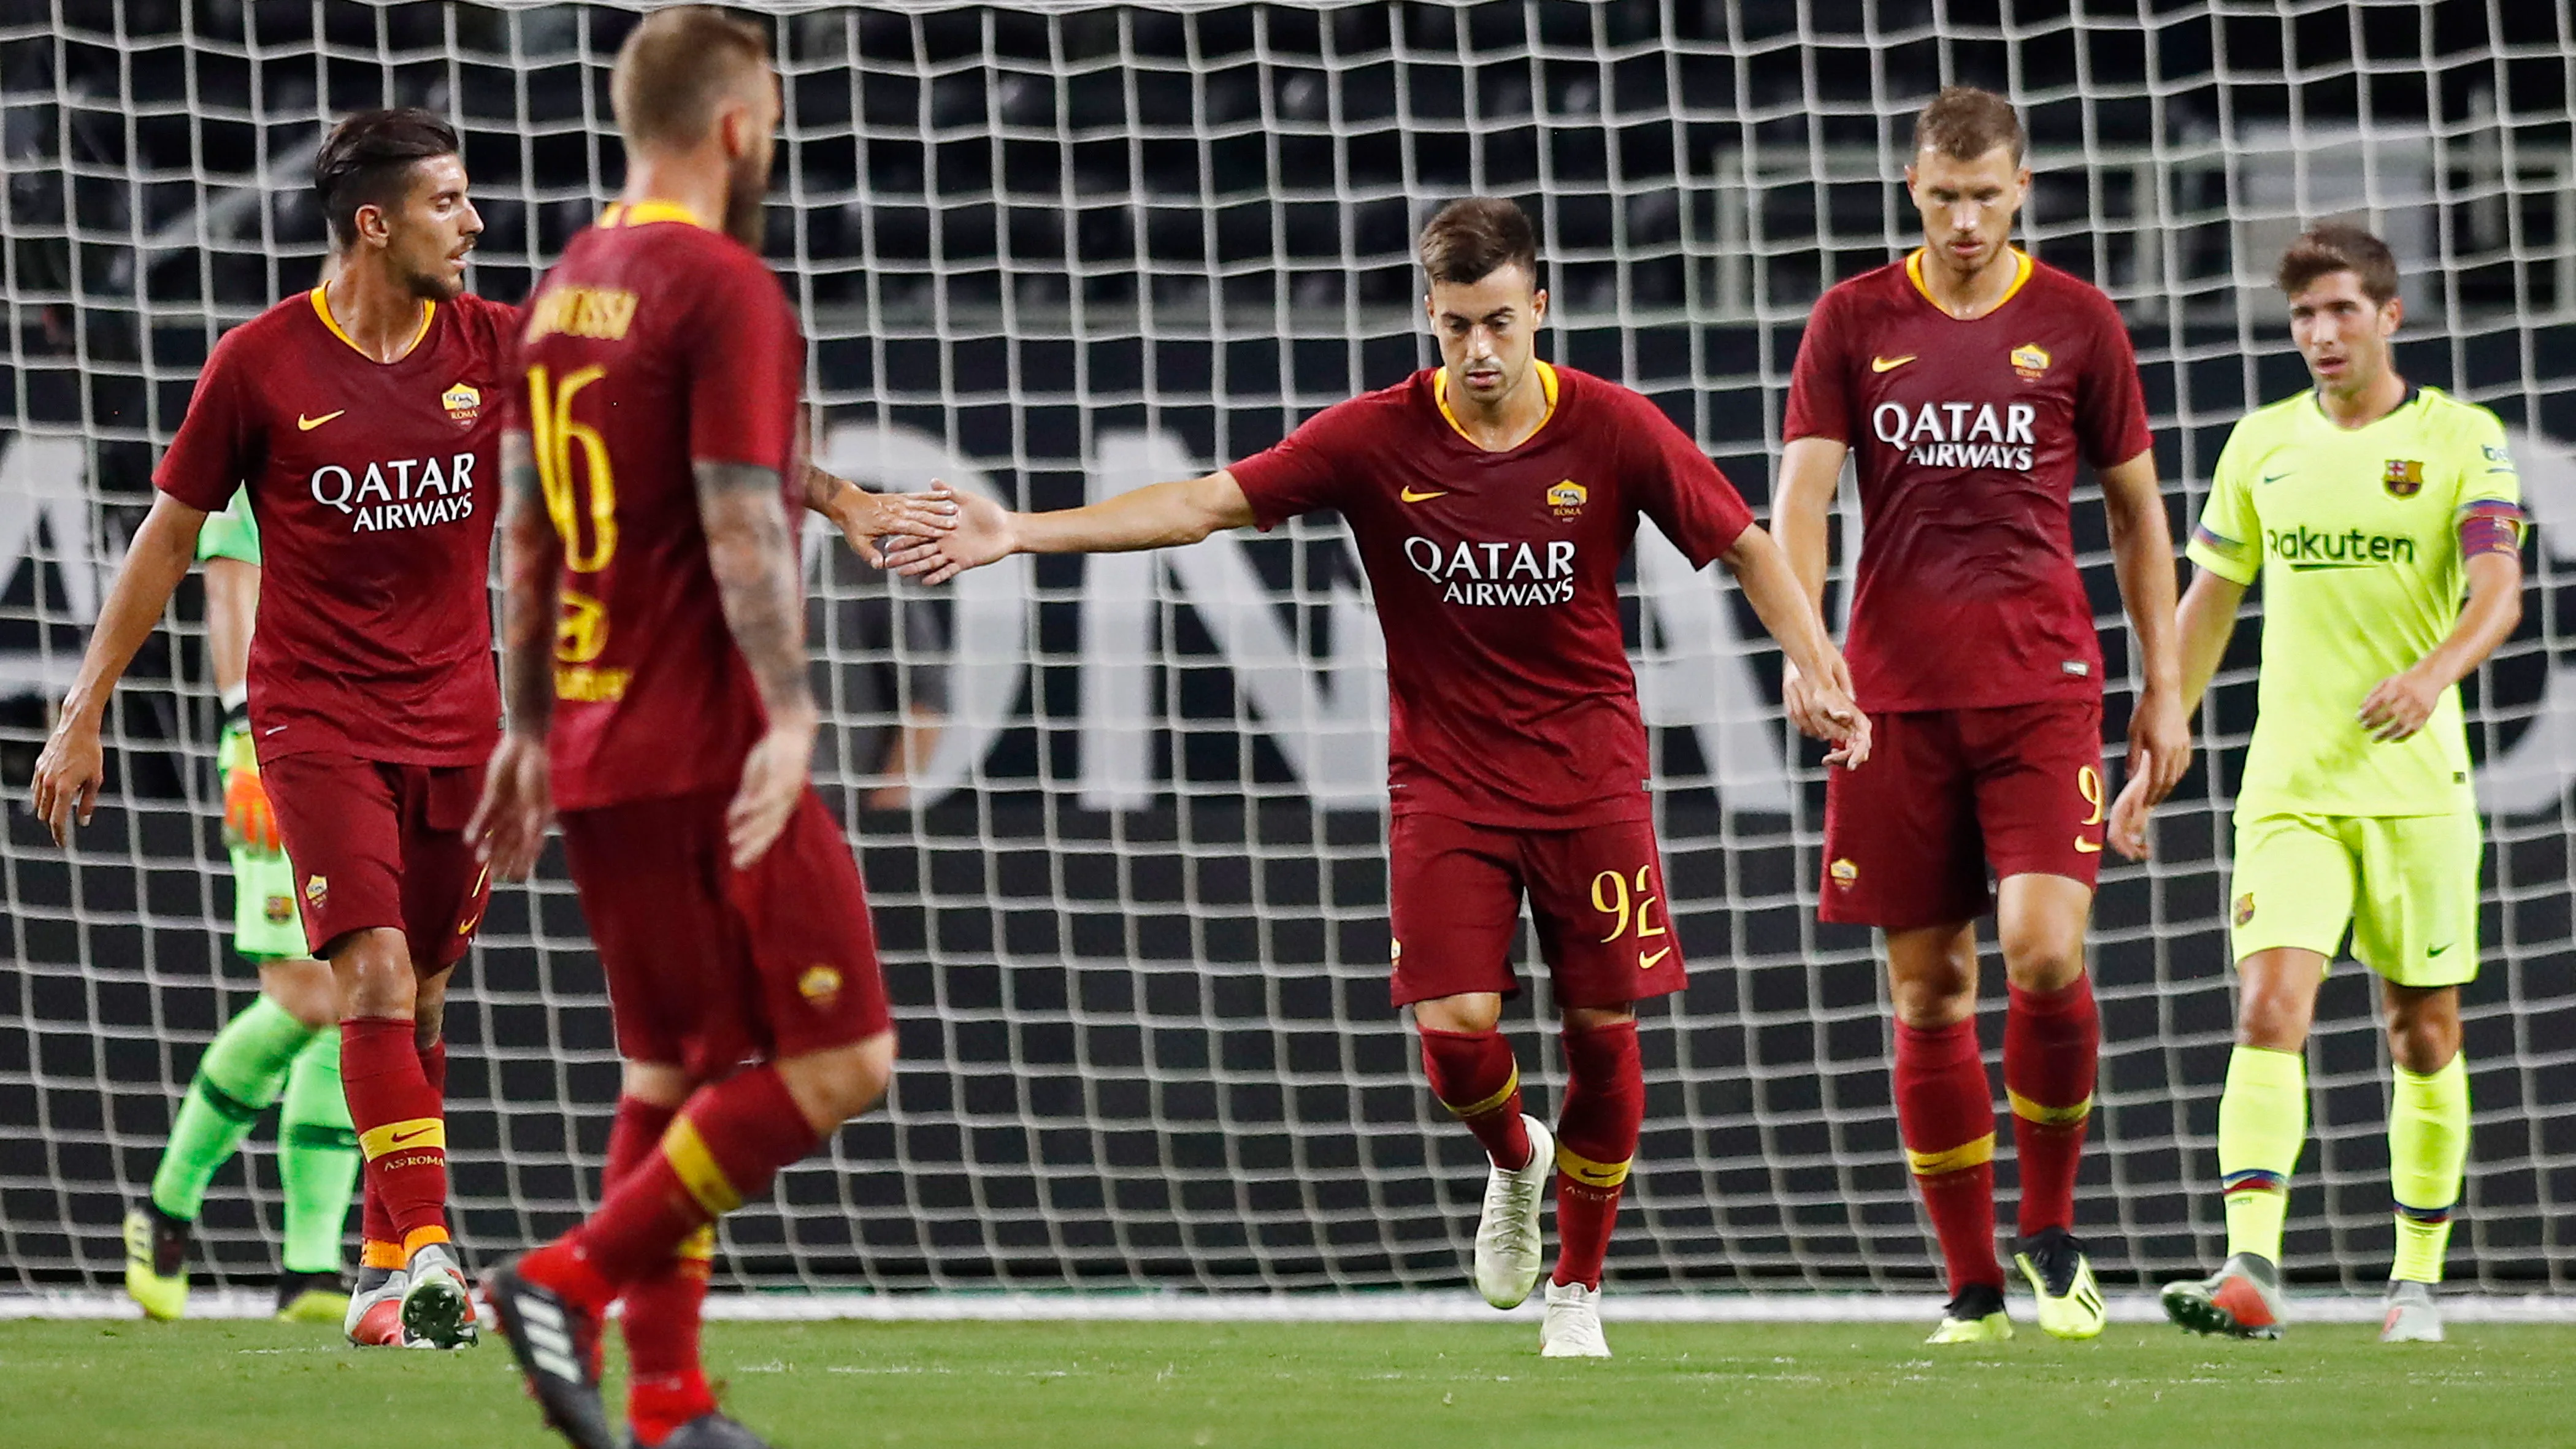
(1134, 905)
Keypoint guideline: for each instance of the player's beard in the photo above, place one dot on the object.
(746, 217)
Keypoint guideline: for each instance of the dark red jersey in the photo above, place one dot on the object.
(375, 485)
(1496, 578)
(1965, 436)
(656, 342)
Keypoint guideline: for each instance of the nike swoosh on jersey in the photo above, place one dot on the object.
(2274, 477)
(1410, 496)
(2438, 950)
(2087, 847)
(1648, 963)
(1890, 364)
(306, 425)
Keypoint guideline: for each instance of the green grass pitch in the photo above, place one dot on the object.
(1322, 1386)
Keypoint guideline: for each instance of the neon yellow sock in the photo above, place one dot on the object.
(2428, 1143)
(2262, 1124)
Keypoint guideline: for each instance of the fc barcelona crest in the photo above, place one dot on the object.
(2405, 477)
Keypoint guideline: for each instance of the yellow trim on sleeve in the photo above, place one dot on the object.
(699, 1246)
(1546, 383)
(1479, 1109)
(1956, 1159)
(1584, 1170)
(409, 1135)
(2030, 1111)
(697, 1168)
(2022, 266)
(322, 309)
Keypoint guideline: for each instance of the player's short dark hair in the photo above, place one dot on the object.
(367, 161)
(1964, 123)
(1472, 238)
(676, 67)
(2339, 246)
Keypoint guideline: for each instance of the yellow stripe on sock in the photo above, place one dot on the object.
(698, 1247)
(2030, 1111)
(415, 1133)
(419, 1238)
(375, 1253)
(1588, 1172)
(1479, 1109)
(1956, 1159)
(699, 1173)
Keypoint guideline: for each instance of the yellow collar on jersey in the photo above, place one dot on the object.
(645, 213)
(2022, 265)
(322, 309)
(1546, 384)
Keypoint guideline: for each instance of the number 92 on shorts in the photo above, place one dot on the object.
(1596, 895)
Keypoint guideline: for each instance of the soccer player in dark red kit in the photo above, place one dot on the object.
(1970, 380)
(362, 418)
(654, 671)
(1492, 499)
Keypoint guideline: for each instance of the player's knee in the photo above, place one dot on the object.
(373, 968)
(1472, 1014)
(2041, 959)
(304, 990)
(429, 1008)
(833, 1086)
(2423, 1036)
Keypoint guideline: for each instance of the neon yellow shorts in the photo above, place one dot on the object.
(2405, 887)
(264, 922)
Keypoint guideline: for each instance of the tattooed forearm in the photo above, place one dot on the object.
(822, 489)
(530, 556)
(755, 564)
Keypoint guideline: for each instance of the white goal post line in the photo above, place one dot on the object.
(1458, 1307)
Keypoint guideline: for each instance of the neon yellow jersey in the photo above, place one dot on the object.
(2355, 533)
(232, 533)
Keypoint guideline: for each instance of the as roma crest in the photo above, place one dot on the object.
(2405, 477)
(463, 403)
(2030, 361)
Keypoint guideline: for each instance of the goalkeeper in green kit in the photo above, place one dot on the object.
(284, 1046)
(2369, 508)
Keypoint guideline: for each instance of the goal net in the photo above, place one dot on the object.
(1130, 876)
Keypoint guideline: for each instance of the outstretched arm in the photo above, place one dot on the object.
(72, 766)
(1161, 515)
(2142, 556)
(865, 517)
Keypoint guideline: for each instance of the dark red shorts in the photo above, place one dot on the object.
(380, 845)
(709, 967)
(1948, 795)
(1596, 894)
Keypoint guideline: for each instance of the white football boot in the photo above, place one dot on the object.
(1509, 1250)
(1572, 1328)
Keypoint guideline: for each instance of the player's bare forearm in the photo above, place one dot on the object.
(755, 564)
(72, 765)
(1810, 469)
(2493, 611)
(1816, 692)
(2202, 626)
(232, 610)
(158, 559)
(2142, 556)
(1160, 515)
(1762, 570)
(531, 571)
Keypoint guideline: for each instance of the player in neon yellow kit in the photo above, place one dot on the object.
(2368, 506)
(285, 1044)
